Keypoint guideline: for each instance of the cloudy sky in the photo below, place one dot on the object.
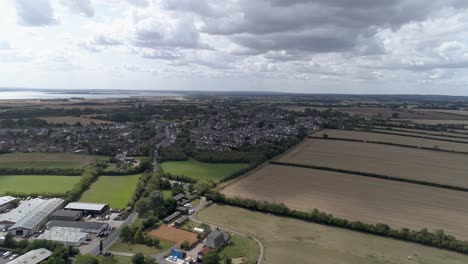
(316, 46)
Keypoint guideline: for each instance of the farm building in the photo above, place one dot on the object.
(171, 218)
(181, 221)
(36, 218)
(217, 239)
(88, 208)
(179, 197)
(86, 227)
(182, 209)
(7, 202)
(67, 236)
(203, 252)
(66, 215)
(33, 257)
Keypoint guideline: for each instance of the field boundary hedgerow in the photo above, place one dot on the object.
(372, 175)
(438, 239)
(413, 136)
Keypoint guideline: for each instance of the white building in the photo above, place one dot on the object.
(32, 257)
(36, 217)
(65, 235)
(6, 202)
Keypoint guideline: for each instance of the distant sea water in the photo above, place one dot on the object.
(5, 95)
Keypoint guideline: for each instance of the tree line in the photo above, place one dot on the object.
(46, 171)
(435, 239)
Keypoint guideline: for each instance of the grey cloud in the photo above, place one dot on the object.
(106, 41)
(35, 13)
(161, 55)
(83, 7)
(139, 3)
(201, 7)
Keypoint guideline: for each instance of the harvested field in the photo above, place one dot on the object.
(71, 120)
(395, 139)
(402, 113)
(415, 164)
(442, 136)
(456, 112)
(435, 121)
(46, 160)
(414, 131)
(173, 234)
(358, 198)
(288, 240)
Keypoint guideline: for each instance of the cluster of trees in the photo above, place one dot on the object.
(436, 239)
(155, 205)
(137, 236)
(23, 123)
(226, 157)
(178, 177)
(61, 253)
(31, 113)
(145, 165)
(87, 178)
(45, 171)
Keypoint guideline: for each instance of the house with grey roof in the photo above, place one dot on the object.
(217, 239)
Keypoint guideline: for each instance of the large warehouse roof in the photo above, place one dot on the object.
(82, 225)
(68, 236)
(6, 199)
(21, 211)
(86, 206)
(32, 257)
(39, 214)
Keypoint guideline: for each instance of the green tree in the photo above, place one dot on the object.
(139, 258)
(228, 260)
(126, 234)
(185, 245)
(142, 206)
(139, 238)
(202, 187)
(9, 241)
(101, 247)
(211, 257)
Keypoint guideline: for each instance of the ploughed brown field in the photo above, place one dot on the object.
(395, 139)
(173, 234)
(366, 199)
(424, 165)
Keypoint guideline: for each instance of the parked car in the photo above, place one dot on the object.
(108, 254)
(13, 256)
(7, 254)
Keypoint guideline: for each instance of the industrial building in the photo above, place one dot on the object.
(88, 208)
(33, 257)
(30, 216)
(66, 215)
(86, 227)
(67, 236)
(7, 202)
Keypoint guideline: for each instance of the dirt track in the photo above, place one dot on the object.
(416, 164)
(358, 198)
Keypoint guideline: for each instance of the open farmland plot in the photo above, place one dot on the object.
(30, 184)
(415, 164)
(288, 240)
(45, 160)
(396, 139)
(113, 190)
(434, 121)
(445, 136)
(202, 170)
(358, 198)
(414, 131)
(173, 234)
(402, 113)
(71, 120)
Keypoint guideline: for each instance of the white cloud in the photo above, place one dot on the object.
(34, 12)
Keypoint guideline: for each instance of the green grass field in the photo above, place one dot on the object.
(288, 240)
(241, 247)
(201, 170)
(113, 190)
(47, 160)
(119, 259)
(37, 183)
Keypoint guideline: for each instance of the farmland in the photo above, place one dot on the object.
(414, 131)
(46, 160)
(289, 240)
(174, 235)
(426, 165)
(358, 198)
(29, 184)
(113, 190)
(396, 139)
(71, 120)
(202, 170)
(436, 121)
(403, 113)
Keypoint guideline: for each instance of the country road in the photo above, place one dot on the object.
(202, 206)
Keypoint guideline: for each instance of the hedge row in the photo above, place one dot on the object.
(43, 194)
(436, 239)
(87, 178)
(413, 136)
(179, 177)
(33, 171)
(425, 133)
(372, 175)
